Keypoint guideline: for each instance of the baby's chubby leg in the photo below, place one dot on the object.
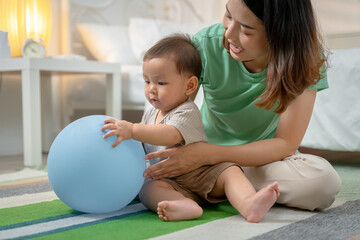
(252, 205)
(178, 210)
(159, 196)
(260, 203)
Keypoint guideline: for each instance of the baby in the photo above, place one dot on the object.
(171, 69)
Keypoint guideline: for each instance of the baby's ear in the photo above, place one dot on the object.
(191, 85)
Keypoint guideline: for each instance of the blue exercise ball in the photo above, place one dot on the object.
(88, 174)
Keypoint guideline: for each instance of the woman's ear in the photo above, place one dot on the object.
(191, 85)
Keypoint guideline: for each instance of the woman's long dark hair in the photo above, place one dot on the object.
(296, 54)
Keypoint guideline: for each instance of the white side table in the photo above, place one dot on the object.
(30, 69)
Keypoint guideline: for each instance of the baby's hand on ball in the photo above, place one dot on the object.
(121, 129)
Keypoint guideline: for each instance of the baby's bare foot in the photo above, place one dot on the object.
(261, 202)
(184, 209)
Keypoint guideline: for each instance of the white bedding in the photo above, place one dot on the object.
(133, 85)
(88, 91)
(335, 123)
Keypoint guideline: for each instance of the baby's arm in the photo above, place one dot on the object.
(155, 134)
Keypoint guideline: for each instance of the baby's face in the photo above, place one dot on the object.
(165, 87)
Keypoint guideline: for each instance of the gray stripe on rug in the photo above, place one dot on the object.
(342, 222)
(38, 188)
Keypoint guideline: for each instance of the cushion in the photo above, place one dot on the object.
(108, 43)
(145, 32)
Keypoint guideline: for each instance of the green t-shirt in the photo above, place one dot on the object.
(229, 113)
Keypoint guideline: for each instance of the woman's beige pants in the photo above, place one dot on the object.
(305, 181)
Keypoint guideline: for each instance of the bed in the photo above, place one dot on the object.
(121, 31)
(334, 128)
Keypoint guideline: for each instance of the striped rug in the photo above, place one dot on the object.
(53, 219)
(29, 209)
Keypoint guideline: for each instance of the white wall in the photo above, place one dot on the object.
(339, 22)
(10, 115)
(337, 17)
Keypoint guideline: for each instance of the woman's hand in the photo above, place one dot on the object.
(179, 160)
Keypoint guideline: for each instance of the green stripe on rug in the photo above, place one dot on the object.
(33, 212)
(141, 226)
(36, 213)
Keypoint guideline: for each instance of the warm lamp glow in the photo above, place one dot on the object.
(23, 19)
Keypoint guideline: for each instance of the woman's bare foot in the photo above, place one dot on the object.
(177, 210)
(261, 202)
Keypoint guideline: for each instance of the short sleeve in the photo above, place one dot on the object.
(147, 116)
(187, 120)
(323, 83)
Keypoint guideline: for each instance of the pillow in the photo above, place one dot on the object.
(145, 32)
(108, 43)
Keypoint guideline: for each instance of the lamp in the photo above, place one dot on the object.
(25, 19)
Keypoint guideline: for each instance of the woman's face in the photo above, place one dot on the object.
(246, 36)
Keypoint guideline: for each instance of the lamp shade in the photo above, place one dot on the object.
(25, 19)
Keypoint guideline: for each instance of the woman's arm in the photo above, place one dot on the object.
(288, 136)
(290, 131)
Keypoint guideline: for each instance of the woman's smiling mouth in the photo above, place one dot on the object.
(235, 49)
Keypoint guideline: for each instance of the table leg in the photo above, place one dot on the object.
(113, 95)
(31, 117)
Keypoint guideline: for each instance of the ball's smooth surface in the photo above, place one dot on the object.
(90, 176)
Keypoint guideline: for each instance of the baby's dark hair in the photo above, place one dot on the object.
(179, 48)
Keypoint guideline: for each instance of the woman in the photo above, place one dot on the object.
(261, 72)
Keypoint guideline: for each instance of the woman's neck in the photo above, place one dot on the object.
(255, 66)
